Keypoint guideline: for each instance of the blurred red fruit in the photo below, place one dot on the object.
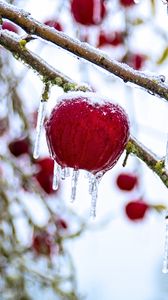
(88, 12)
(9, 26)
(54, 24)
(43, 243)
(61, 224)
(19, 146)
(115, 39)
(127, 3)
(126, 181)
(136, 60)
(44, 175)
(136, 210)
(86, 132)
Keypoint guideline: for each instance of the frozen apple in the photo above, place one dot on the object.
(87, 132)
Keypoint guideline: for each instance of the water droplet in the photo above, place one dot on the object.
(40, 121)
(74, 182)
(151, 93)
(94, 193)
(162, 78)
(56, 176)
(165, 257)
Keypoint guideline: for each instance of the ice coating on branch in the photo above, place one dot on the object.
(166, 157)
(40, 121)
(165, 258)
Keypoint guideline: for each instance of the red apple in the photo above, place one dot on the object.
(9, 26)
(44, 175)
(19, 146)
(135, 60)
(126, 181)
(114, 38)
(136, 210)
(127, 3)
(87, 132)
(54, 24)
(88, 12)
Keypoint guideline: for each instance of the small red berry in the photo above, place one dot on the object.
(54, 24)
(86, 132)
(127, 3)
(19, 146)
(126, 181)
(136, 210)
(10, 26)
(43, 243)
(44, 176)
(114, 39)
(88, 12)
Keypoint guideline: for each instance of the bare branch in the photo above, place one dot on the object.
(149, 158)
(153, 85)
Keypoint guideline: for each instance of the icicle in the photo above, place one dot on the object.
(40, 121)
(90, 177)
(74, 182)
(65, 172)
(94, 193)
(56, 176)
(166, 157)
(165, 258)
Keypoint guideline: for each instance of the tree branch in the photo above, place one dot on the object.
(149, 158)
(153, 84)
(41, 66)
(20, 52)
